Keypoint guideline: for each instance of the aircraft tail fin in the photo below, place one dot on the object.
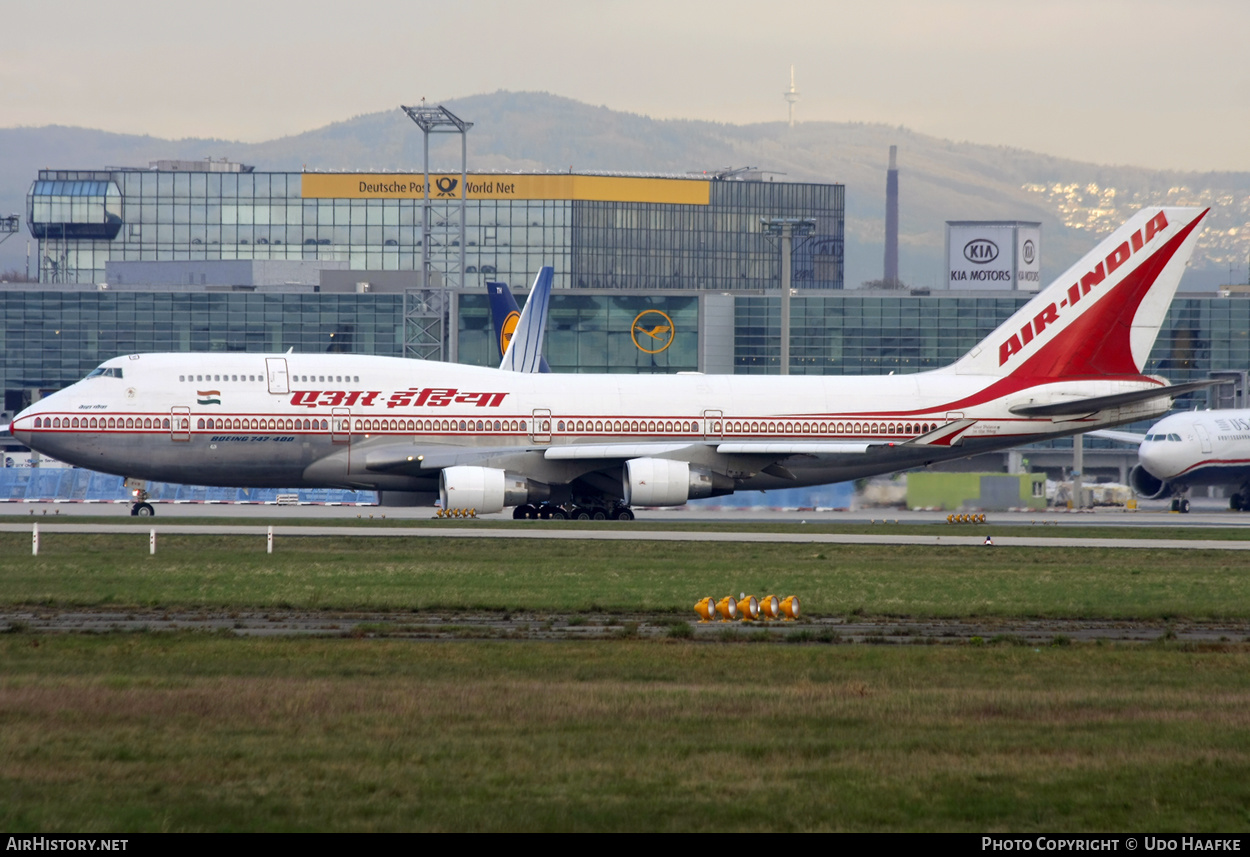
(524, 352)
(504, 314)
(1102, 315)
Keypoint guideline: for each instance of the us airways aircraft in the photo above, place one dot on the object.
(1195, 449)
(550, 445)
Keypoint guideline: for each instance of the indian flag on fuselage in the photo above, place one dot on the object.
(208, 397)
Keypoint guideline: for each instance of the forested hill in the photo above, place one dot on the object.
(940, 180)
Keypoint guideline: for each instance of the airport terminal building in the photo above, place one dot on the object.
(611, 232)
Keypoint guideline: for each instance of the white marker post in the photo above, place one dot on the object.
(269, 541)
(152, 543)
(34, 542)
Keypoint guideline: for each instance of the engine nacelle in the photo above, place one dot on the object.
(660, 482)
(1146, 485)
(487, 489)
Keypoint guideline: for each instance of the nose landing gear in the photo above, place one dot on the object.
(141, 507)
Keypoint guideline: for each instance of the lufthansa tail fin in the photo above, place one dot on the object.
(1101, 317)
(506, 317)
(525, 348)
(504, 314)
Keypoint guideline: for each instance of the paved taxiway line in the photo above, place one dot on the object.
(628, 534)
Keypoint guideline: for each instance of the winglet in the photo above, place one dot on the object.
(525, 348)
(1101, 317)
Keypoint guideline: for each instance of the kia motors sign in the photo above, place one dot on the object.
(998, 254)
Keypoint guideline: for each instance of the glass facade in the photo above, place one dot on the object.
(598, 333)
(51, 338)
(596, 231)
(651, 280)
(873, 334)
(719, 246)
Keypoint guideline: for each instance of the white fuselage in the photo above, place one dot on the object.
(340, 420)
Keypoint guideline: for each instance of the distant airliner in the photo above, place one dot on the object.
(550, 445)
(1195, 449)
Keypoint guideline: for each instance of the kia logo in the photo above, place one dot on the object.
(980, 251)
(1030, 252)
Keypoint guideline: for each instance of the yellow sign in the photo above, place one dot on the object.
(486, 186)
(657, 331)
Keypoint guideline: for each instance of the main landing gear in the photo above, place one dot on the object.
(1239, 500)
(552, 512)
(1180, 504)
(141, 508)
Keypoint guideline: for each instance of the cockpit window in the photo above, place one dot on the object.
(105, 371)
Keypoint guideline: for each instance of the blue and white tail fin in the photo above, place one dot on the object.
(524, 351)
(1101, 317)
(504, 314)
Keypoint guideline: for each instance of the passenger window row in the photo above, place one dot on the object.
(210, 378)
(102, 422)
(746, 427)
(441, 425)
(575, 426)
(235, 424)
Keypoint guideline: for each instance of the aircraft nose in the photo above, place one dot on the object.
(1156, 456)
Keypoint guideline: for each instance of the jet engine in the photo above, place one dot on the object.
(660, 482)
(487, 489)
(1147, 486)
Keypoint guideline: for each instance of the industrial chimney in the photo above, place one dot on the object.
(891, 222)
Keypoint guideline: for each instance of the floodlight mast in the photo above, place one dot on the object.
(438, 120)
(787, 228)
(8, 227)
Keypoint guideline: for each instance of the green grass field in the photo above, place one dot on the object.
(184, 731)
(199, 732)
(490, 574)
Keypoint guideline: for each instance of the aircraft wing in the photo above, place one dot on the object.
(1122, 436)
(407, 458)
(1080, 407)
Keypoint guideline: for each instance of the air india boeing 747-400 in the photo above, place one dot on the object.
(550, 445)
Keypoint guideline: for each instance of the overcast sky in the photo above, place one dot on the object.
(1156, 83)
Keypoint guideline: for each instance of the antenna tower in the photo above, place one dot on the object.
(791, 95)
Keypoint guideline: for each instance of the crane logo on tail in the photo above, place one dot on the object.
(507, 329)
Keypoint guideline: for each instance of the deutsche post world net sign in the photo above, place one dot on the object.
(505, 187)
